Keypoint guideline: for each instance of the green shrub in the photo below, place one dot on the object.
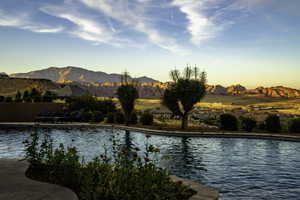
(262, 126)
(2, 98)
(228, 122)
(146, 118)
(294, 125)
(133, 118)
(247, 123)
(97, 116)
(8, 99)
(110, 117)
(119, 118)
(272, 123)
(37, 99)
(126, 175)
(86, 116)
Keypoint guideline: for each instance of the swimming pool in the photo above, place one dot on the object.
(237, 168)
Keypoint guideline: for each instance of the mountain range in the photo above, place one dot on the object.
(103, 84)
(78, 75)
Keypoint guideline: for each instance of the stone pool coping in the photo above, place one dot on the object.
(14, 185)
(272, 136)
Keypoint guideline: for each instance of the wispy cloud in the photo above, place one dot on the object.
(23, 21)
(200, 26)
(133, 15)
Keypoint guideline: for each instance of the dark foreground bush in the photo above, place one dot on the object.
(119, 118)
(247, 124)
(272, 124)
(228, 122)
(294, 125)
(110, 117)
(133, 118)
(146, 118)
(97, 116)
(125, 176)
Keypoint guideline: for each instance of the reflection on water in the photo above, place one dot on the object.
(238, 168)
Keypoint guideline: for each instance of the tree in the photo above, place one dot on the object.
(228, 122)
(272, 123)
(18, 96)
(26, 96)
(127, 95)
(49, 96)
(185, 91)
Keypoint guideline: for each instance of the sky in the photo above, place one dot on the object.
(250, 42)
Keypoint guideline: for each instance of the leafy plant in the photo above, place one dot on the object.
(186, 90)
(228, 122)
(272, 124)
(146, 118)
(110, 117)
(133, 118)
(97, 116)
(104, 177)
(247, 123)
(8, 99)
(127, 95)
(119, 118)
(294, 125)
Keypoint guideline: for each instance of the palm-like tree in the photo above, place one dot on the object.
(186, 90)
(127, 95)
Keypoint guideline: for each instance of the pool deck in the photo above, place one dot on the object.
(273, 136)
(14, 185)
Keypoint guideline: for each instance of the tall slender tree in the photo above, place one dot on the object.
(186, 90)
(127, 95)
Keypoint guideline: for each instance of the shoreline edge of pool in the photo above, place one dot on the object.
(271, 136)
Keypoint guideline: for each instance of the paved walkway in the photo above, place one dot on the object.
(14, 185)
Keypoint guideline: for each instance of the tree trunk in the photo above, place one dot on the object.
(184, 121)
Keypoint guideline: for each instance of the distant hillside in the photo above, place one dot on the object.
(10, 86)
(77, 74)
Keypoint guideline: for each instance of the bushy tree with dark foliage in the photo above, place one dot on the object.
(186, 90)
(228, 122)
(272, 124)
(127, 95)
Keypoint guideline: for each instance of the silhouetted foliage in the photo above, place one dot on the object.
(133, 118)
(294, 125)
(146, 118)
(8, 99)
(34, 93)
(49, 96)
(186, 90)
(272, 123)
(247, 123)
(86, 116)
(18, 96)
(127, 95)
(26, 97)
(89, 103)
(2, 98)
(110, 117)
(97, 116)
(228, 122)
(119, 118)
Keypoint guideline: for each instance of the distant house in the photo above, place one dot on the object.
(3, 75)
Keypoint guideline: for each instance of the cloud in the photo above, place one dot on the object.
(23, 21)
(133, 15)
(199, 26)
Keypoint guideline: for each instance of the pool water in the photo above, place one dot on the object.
(237, 168)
